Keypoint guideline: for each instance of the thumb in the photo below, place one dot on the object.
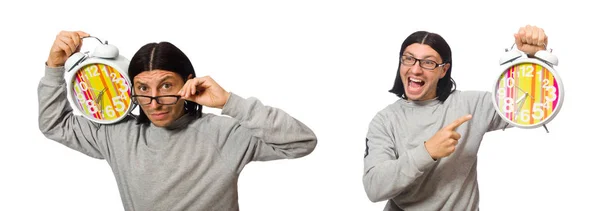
(82, 34)
(518, 40)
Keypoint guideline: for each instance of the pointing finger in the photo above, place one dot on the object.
(458, 122)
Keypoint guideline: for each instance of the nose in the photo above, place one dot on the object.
(154, 102)
(416, 68)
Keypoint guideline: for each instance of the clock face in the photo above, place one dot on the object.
(528, 94)
(101, 92)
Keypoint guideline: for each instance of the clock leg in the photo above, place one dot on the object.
(546, 129)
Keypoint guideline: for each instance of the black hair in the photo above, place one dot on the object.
(446, 85)
(163, 56)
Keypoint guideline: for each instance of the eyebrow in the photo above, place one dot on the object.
(163, 79)
(426, 56)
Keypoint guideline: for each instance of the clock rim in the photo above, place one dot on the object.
(121, 64)
(552, 70)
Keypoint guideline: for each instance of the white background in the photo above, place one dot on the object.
(328, 63)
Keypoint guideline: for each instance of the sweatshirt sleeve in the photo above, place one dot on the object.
(261, 133)
(57, 122)
(486, 107)
(388, 171)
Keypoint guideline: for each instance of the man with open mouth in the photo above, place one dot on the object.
(421, 151)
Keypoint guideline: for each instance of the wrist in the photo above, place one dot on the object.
(226, 96)
(435, 158)
(52, 65)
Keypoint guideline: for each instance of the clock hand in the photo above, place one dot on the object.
(94, 91)
(100, 99)
(525, 92)
(101, 106)
(99, 96)
(520, 106)
(521, 89)
(522, 96)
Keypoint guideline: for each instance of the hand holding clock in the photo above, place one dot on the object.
(531, 39)
(97, 83)
(65, 44)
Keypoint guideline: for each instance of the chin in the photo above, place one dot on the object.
(421, 96)
(162, 123)
(414, 98)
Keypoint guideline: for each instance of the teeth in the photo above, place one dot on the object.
(415, 80)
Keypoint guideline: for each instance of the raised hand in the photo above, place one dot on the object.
(65, 44)
(443, 143)
(204, 91)
(531, 39)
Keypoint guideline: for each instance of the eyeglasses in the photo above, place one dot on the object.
(163, 100)
(424, 63)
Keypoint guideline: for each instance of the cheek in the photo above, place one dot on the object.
(144, 109)
(178, 107)
(403, 72)
(403, 69)
(180, 104)
(440, 76)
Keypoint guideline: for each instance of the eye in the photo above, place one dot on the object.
(428, 62)
(408, 60)
(167, 85)
(143, 88)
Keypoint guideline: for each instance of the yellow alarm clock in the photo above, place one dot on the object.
(97, 84)
(528, 93)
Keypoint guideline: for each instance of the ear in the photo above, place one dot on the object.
(445, 70)
(190, 76)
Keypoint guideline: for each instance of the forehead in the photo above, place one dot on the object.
(421, 51)
(154, 76)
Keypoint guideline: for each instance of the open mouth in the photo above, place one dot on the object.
(415, 84)
(415, 87)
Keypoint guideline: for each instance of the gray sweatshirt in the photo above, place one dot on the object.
(193, 164)
(398, 168)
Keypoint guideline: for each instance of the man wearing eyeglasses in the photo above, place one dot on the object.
(421, 151)
(171, 156)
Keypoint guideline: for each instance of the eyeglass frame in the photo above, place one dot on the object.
(155, 99)
(421, 63)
